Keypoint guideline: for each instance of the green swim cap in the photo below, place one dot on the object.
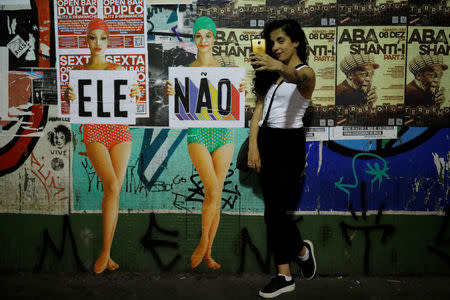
(204, 23)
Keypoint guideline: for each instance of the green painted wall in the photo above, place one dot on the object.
(407, 248)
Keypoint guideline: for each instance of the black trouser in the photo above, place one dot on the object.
(282, 154)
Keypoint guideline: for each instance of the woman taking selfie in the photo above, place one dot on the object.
(283, 85)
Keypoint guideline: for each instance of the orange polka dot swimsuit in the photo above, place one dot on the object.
(108, 135)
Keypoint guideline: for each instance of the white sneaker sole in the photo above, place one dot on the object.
(286, 289)
(313, 257)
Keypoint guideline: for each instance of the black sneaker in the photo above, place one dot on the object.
(277, 286)
(308, 267)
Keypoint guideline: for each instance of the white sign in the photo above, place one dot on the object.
(206, 97)
(15, 4)
(362, 132)
(102, 97)
(314, 134)
(18, 46)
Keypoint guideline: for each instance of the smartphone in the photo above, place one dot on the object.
(259, 45)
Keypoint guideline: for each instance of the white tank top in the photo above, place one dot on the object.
(288, 107)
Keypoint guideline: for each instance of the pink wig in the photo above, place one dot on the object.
(98, 24)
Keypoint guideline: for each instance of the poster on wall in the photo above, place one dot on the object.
(206, 97)
(164, 55)
(19, 23)
(429, 12)
(40, 179)
(427, 92)
(370, 75)
(102, 97)
(234, 13)
(308, 13)
(44, 87)
(314, 134)
(26, 112)
(126, 37)
(170, 22)
(363, 132)
(376, 12)
(232, 49)
(322, 59)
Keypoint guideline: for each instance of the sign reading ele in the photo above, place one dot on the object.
(102, 97)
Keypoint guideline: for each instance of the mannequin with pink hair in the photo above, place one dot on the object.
(108, 146)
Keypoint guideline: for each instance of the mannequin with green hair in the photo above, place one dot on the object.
(211, 149)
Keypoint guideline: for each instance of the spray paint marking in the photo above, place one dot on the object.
(174, 30)
(151, 244)
(49, 244)
(376, 171)
(50, 188)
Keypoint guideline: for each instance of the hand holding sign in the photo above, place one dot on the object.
(103, 97)
(206, 97)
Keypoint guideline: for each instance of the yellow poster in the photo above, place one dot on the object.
(370, 75)
(232, 49)
(322, 59)
(427, 94)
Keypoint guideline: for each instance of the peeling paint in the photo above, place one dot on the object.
(441, 166)
(306, 158)
(417, 184)
(318, 203)
(427, 197)
(320, 157)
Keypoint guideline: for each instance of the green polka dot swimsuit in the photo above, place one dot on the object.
(211, 138)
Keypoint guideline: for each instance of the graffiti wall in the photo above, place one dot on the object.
(366, 189)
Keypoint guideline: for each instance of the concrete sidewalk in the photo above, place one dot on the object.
(128, 285)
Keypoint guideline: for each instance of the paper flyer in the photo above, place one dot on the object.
(127, 41)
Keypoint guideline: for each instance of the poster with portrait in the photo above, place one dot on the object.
(322, 59)
(309, 13)
(206, 97)
(126, 42)
(427, 92)
(370, 75)
(376, 12)
(232, 49)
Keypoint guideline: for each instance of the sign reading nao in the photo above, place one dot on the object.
(102, 97)
(206, 97)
